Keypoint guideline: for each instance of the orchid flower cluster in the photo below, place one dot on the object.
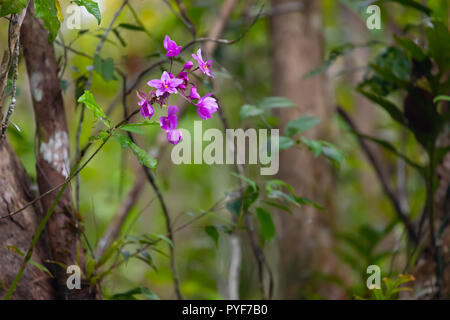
(180, 84)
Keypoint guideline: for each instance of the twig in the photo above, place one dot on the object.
(257, 251)
(385, 185)
(188, 45)
(161, 200)
(114, 228)
(184, 14)
(44, 221)
(184, 18)
(219, 25)
(82, 153)
(14, 89)
(88, 86)
(15, 24)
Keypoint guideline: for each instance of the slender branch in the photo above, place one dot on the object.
(161, 200)
(184, 18)
(15, 24)
(188, 45)
(220, 24)
(184, 14)
(81, 155)
(88, 86)
(14, 89)
(44, 221)
(114, 228)
(379, 173)
(257, 251)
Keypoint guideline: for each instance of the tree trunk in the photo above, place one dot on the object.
(53, 162)
(17, 231)
(304, 239)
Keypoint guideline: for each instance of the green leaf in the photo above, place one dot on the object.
(104, 67)
(332, 153)
(11, 6)
(108, 254)
(276, 102)
(136, 127)
(276, 184)
(248, 110)
(332, 57)
(119, 37)
(389, 147)
(91, 7)
(147, 258)
(130, 295)
(47, 11)
(89, 101)
(285, 143)
(300, 125)
(307, 202)
(278, 206)
(140, 154)
(249, 181)
(131, 27)
(33, 263)
(391, 71)
(388, 106)
(441, 98)
(235, 206)
(313, 145)
(102, 135)
(439, 43)
(249, 197)
(162, 237)
(266, 223)
(212, 232)
(410, 46)
(334, 54)
(274, 190)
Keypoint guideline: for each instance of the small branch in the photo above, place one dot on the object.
(15, 24)
(219, 25)
(379, 173)
(184, 14)
(257, 251)
(14, 89)
(82, 153)
(161, 200)
(119, 219)
(88, 86)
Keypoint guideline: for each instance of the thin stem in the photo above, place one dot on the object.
(14, 89)
(88, 86)
(161, 200)
(379, 172)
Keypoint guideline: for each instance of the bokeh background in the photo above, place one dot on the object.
(244, 74)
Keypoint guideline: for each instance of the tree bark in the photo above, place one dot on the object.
(304, 239)
(53, 162)
(17, 231)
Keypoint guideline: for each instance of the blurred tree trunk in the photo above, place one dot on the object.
(305, 239)
(53, 162)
